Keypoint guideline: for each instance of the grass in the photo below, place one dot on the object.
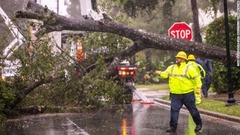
(216, 106)
(219, 106)
(207, 103)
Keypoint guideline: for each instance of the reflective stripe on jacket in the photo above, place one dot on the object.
(182, 79)
(198, 68)
(202, 73)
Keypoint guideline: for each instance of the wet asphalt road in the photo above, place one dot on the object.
(137, 119)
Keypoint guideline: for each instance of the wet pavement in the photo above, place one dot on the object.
(135, 119)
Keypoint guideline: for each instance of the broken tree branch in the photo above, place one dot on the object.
(55, 22)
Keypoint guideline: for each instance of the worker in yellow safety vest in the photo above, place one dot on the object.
(200, 70)
(183, 80)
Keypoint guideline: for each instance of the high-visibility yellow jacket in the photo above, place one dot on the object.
(202, 73)
(198, 68)
(182, 79)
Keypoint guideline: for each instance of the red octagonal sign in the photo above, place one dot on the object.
(180, 30)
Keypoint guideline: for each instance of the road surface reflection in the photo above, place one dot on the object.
(135, 119)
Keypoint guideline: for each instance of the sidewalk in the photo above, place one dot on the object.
(211, 95)
(156, 96)
(154, 93)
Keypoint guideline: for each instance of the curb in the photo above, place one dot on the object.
(209, 113)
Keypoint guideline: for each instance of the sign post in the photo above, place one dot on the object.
(180, 30)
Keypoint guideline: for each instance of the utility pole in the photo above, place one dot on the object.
(57, 6)
(238, 33)
(231, 101)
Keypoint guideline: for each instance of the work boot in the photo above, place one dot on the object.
(198, 128)
(171, 130)
(206, 95)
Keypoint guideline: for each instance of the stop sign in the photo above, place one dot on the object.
(180, 30)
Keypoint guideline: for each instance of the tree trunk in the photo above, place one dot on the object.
(196, 29)
(148, 56)
(142, 40)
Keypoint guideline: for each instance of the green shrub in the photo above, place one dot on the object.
(215, 35)
(7, 97)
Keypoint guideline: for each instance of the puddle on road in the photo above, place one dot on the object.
(136, 119)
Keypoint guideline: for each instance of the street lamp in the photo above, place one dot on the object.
(231, 101)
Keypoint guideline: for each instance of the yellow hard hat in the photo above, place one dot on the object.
(191, 57)
(182, 55)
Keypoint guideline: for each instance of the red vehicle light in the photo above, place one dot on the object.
(132, 73)
(126, 71)
(123, 73)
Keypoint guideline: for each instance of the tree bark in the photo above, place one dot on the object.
(196, 29)
(55, 22)
(29, 89)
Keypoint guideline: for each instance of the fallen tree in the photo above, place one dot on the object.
(141, 39)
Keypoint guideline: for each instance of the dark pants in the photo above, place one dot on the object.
(206, 83)
(177, 101)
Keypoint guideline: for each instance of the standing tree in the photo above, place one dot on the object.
(196, 29)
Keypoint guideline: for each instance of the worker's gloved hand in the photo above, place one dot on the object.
(198, 91)
(157, 72)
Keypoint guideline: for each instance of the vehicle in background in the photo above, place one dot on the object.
(126, 74)
(9, 67)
